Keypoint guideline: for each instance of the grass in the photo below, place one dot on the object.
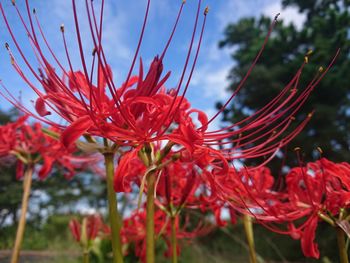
(221, 246)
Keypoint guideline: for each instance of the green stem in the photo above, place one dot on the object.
(248, 228)
(343, 256)
(114, 217)
(86, 257)
(173, 239)
(150, 247)
(27, 183)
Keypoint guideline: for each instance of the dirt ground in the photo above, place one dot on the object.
(37, 256)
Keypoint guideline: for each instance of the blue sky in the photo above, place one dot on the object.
(122, 24)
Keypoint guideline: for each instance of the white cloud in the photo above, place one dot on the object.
(212, 80)
(288, 15)
(232, 10)
(115, 27)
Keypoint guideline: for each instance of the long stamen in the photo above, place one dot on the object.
(25, 79)
(305, 177)
(17, 45)
(102, 62)
(266, 109)
(173, 31)
(242, 82)
(184, 69)
(89, 111)
(138, 47)
(194, 61)
(33, 41)
(81, 51)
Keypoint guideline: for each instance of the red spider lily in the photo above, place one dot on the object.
(85, 105)
(86, 232)
(141, 110)
(183, 181)
(322, 190)
(317, 191)
(181, 176)
(133, 231)
(8, 136)
(31, 146)
(40, 146)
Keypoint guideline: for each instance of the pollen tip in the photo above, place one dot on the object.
(310, 114)
(319, 150)
(34, 11)
(206, 10)
(296, 149)
(13, 2)
(7, 46)
(308, 53)
(94, 51)
(320, 69)
(276, 16)
(184, 1)
(62, 28)
(292, 118)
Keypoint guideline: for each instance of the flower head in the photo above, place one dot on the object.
(34, 148)
(141, 110)
(89, 230)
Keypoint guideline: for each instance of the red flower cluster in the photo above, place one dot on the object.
(318, 191)
(141, 110)
(32, 147)
(9, 135)
(161, 136)
(133, 231)
(91, 228)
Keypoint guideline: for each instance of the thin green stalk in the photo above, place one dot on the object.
(114, 217)
(248, 228)
(150, 247)
(343, 255)
(27, 183)
(173, 239)
(86, 257)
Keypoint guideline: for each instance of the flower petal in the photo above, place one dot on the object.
(75, 130)
(40, 107)
(74, 227)
(310, 249)
(46, 168)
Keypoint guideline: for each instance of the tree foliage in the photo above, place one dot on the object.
(325, 30)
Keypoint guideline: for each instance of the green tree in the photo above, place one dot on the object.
(325, 30)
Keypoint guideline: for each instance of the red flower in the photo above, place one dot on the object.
(141, 110)
(31, 146)
(317, 191)
(133, 231)
(9, 136)
(91, 227)
(75, 229)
